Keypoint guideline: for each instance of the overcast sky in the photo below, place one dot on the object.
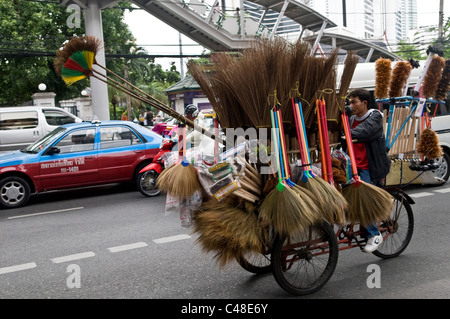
(158, 38)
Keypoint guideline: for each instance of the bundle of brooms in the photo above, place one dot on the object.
(228, 228)
(76, 61)
(288, 207)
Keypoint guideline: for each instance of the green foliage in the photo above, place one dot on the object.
(408, 51)
(31, 32)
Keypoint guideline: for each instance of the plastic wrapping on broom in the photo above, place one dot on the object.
(192, 156)
(220, 188)
(346, 164)
(172, 204)
(188, 206)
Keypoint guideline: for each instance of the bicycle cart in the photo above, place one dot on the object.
(303, 263)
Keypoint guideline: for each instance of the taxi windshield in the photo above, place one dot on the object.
(40, 144)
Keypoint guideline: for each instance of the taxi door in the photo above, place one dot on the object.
(73, 164)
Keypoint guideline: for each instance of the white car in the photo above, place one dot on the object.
(22, 125)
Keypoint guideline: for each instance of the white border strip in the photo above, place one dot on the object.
(45, 213)
(67, 258)
(442, 191)
(423, 194)
(117, 249)
(9, 269)
(171, 238)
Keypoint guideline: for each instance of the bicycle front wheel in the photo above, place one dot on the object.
(303, 263)
(398, 230)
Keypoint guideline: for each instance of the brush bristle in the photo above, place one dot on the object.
(179, 181)
(429, 144)
(382, 77)
(87, 43)
(330, 201)
(227, 231)
(433, 76)
(444, 83)
(367, 203)
(287, 211)
(399, 77)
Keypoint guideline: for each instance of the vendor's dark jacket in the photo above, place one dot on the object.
(370, 132)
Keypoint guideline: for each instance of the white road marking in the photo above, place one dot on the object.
(423, 194)
(67, 258)
(45, 213)
(443, 190)
(171, 238)
(9, 269)
(127, 247)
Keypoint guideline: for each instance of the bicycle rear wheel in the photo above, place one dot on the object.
(398, 230)
(303, 263)
(256, 263)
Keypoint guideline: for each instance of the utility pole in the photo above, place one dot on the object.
(181, 56)
(441, 21)
(344, 13)
(128, 98)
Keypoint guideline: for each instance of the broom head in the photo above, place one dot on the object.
(367, 203)
(330, 201)
(287, 211)
(227, 230)
(179, 181)
(75, 60)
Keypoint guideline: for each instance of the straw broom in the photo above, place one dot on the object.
(367, 203)
(329, 199)
(227, 229)
(180, 179)
(310, 213)
(282, 205)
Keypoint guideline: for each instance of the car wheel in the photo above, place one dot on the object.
(14, 192)
(443, 171)
(146, 183)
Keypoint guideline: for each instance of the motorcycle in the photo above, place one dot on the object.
(146, 181)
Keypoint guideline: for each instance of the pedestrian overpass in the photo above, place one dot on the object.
(209, 23)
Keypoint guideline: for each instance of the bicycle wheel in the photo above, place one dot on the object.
(256, 263)
(303, 263)
(398, 230)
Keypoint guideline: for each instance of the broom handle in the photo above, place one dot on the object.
(305, 138)
(327, 144)
(180, 143)
(299, 138)
(159, 106)
(283, 158)
(413, 109)
(280, 186)
(350, 145)
(319, 119)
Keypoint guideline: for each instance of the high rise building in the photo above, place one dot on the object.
(389, 20)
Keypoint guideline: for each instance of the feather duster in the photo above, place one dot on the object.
(400, 75)
(433, 76)
(444, 83)
(428, 144)
(382, 77)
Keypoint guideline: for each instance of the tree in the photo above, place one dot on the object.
(444, 42)
(32, 31)
(408, 51)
